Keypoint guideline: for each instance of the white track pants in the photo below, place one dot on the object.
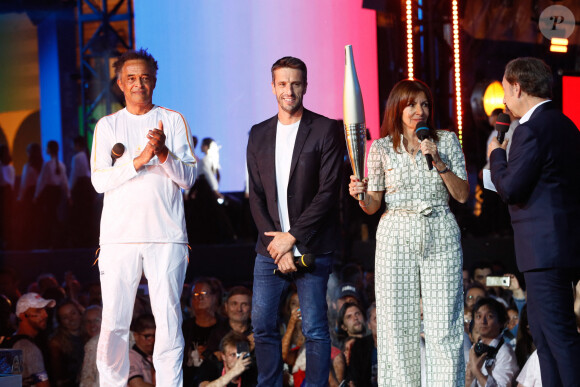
(121, 266)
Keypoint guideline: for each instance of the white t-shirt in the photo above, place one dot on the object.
(144, 206)
(79, 168)
(51, 175)
(285, 139)
(531, 375)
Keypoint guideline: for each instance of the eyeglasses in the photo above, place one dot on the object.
(201, 294)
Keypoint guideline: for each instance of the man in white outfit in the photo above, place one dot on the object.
(143, 223)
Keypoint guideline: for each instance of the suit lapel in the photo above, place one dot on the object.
(270, 151)
(301, 136)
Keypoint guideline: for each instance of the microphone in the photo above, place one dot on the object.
(422, 131)
(117, 151)
(306, 261)
(502, 125)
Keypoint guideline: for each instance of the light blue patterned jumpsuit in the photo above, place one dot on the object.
(418, 254)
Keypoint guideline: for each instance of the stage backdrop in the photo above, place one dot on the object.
(215, 58)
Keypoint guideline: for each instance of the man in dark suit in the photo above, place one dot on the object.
(294, 167)
(541, 184)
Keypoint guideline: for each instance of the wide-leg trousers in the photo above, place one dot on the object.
(121, 267)
(419, 256)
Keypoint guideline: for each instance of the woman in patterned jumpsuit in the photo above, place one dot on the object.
(418, 252)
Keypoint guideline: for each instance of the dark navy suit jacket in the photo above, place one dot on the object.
(541, 185)
(313, 186)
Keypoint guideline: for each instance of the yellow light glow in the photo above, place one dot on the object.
(493, 97)
(409, 38)
(559, 42)
(555, 48)
(457, 69)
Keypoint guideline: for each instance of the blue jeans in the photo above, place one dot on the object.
(268, 288)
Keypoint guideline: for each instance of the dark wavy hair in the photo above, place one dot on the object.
(140, 54)
(400, 97)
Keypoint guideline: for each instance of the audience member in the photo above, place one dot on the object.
(530, 375)
(7, 178)
(92, 321)
(236, 369)
(524, 341)
(474, 292)
(89, 372)
(30, 172)
(209, 165)
(362, 369)
(351, 321)
(7, 325)
(92, 328)
(32, 318)
(27, 229)
(466, 279)
(206, 297)
(82, 226)
(511, 331)
(480, 271)
(293, 351)
(345, 292)
(52, 193)
(141, 370)
(237, 308)
(491, 361)
(9, 281)
(67, 346)
(7, 175)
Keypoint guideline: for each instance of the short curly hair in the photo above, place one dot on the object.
(140, 54)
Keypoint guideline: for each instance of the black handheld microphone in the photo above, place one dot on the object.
(306, 261)
(117, 151)
(502, 125)
(422, 131)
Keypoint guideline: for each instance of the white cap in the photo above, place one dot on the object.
(32, 300)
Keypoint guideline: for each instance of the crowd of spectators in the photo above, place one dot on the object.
(44, 206)
(56, 324)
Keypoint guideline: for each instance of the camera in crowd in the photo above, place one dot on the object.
(481, 348)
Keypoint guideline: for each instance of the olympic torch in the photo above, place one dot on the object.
(354, 119)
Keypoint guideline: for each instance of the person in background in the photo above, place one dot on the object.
(236, 369)
(52, 194)
(7, 194)
(363, 367)
(206, 296)
(81, 226)
(66, 347)
(209, 165)
(30, 172)
(237, 307)
(27, 228)
(92, 326)
(141, 370)
(497, 365)
(32, 318)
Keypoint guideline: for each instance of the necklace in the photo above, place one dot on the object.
(411, 149)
